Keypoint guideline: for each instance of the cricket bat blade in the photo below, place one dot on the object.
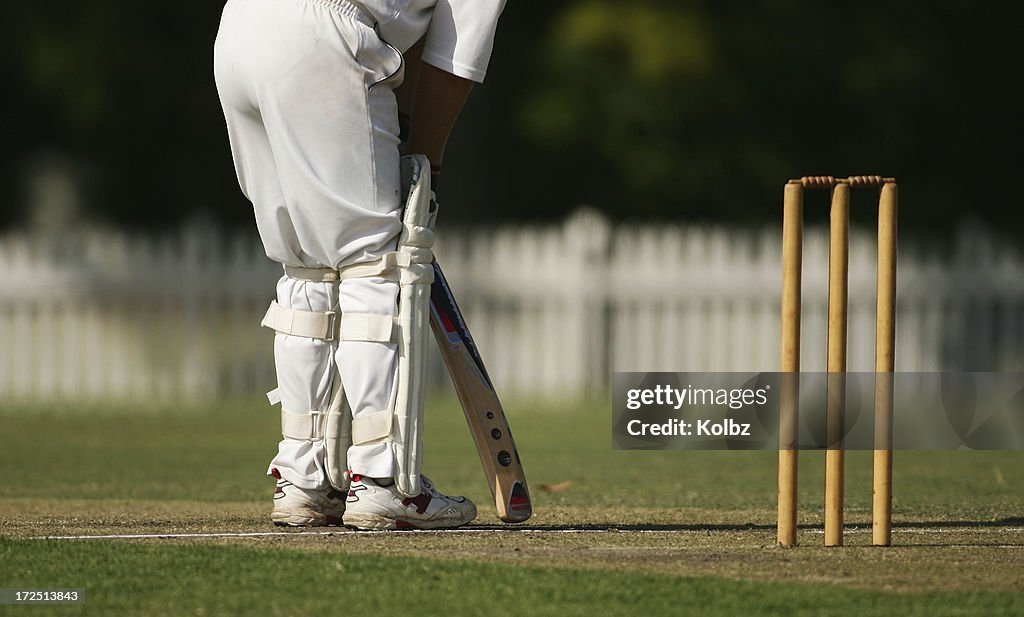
(484, 414)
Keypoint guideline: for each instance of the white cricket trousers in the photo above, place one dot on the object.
(307, 92)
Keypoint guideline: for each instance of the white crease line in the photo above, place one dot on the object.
(169, 536)
(982, 546)
(340, 532)
(929, 530)
(346, 532)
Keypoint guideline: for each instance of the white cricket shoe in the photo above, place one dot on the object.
(371, 506)
(300, 507)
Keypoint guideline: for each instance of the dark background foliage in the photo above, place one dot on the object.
(651, 109)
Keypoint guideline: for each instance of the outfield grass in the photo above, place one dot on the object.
(240, 580)
(696, 528)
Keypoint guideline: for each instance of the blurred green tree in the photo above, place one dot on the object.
(126, 89)
(669, 109)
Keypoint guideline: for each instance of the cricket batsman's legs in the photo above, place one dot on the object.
(307, 93)
(315, 150)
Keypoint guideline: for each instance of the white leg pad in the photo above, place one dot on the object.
(370, 370)
(413, 265)
(337, 436)
(305, 370)
(399, 426)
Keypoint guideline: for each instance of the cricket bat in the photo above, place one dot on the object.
(480, 403)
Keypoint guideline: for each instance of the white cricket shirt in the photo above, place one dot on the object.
(460, 33)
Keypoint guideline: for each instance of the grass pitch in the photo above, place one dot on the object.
(654, 533)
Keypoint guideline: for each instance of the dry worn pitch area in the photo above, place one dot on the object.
(937, 555)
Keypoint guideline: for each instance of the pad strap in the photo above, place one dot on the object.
(368, 327)
(327, 326)
(317, 275)
(395, 266)
(372, 426)
(308, 426)
(308, 324)
(388, 266)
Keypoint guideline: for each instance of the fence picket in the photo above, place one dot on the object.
(102, 315)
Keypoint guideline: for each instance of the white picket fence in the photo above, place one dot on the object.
(554, 309)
